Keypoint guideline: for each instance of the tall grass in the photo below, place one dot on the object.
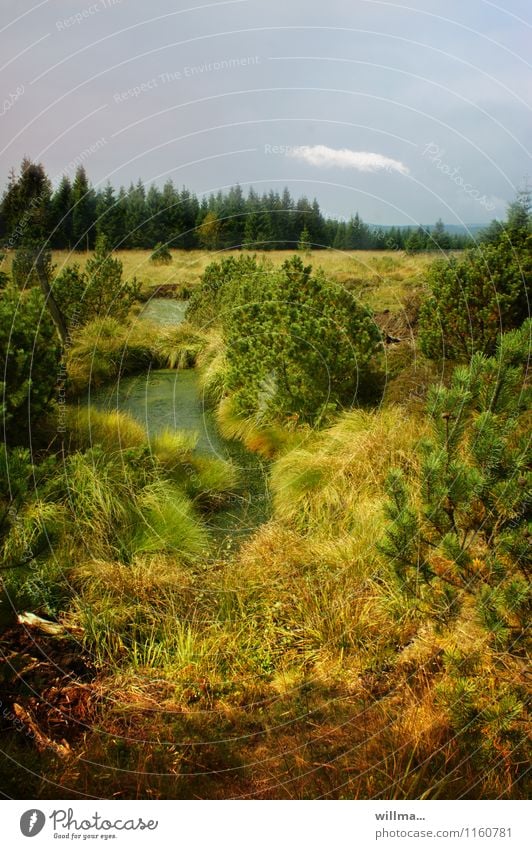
(120, 504)
(113, 430)
(178, 347)
(264, 439)
(295, 667)
(382, 278)
(104, 349)
(206, 480)
(166, 522)
(334, 480)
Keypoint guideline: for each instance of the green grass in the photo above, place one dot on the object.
(105, 349)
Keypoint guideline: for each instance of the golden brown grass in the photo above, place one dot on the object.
(296, 668)
(381, 279)
(334, 480)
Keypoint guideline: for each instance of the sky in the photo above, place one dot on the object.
(405, 112)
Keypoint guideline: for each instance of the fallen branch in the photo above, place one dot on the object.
(41, 740)
(31, 620)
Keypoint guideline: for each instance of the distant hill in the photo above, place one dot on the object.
(453, 229)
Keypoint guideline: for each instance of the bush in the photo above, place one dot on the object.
(298, 346)
(205, 303)
(29, 362)
(161, 255)
(475, 298)
(97, 292)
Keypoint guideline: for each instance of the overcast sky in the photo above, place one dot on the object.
(406, 112)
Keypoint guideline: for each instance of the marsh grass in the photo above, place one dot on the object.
(293, 666)
(296, 667)
(179, 347)
(267, 440)
(335, 479)
(106, 349)
(113, 430)
(381, 278)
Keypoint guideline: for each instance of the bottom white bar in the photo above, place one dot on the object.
(266, 824)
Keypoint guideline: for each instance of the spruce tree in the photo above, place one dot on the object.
(62, 216)
(26, 204)
(83, 211)
(304, 241)
(110, 217)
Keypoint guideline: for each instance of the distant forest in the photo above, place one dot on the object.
(74, 214)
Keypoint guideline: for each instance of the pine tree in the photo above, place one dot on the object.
(83, 211)
(104, 291)
(304, 241)
(297, 345)
(110, 217)
(458, 538)
(61, 214)
(29, 362)
(476, 296)
(161, 254)
(471, 531)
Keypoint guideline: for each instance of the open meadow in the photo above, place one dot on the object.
(381, 279)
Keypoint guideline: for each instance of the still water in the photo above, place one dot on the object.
(165, 399)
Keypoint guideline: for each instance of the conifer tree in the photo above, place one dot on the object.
(462, 526)
(61, 214)
(26, 204)
(458, 538)
(83, 211)
(110, 213)
(474, 297)
(304, 241)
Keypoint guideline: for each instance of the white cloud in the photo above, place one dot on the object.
(327, 157)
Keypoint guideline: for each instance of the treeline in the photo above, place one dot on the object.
(73, 215)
